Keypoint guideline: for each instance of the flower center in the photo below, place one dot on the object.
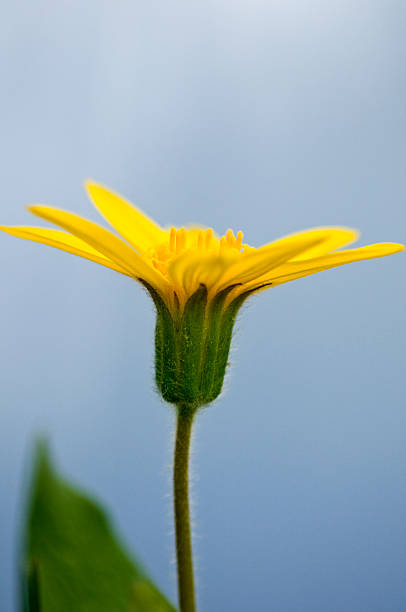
(193, 240)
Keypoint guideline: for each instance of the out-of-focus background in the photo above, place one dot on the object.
(265, 116)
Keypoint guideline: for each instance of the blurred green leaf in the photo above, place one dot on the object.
(73, 561)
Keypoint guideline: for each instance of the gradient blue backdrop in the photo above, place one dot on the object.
(266, 116)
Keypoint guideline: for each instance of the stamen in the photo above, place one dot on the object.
(172, 239)
(230, 237)
(223, 243)
(238, 243)
(180, 239)
(208, 239)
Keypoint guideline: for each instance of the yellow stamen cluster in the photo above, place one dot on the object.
(230, 241)
(193, 240)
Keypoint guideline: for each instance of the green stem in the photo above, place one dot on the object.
(182, 514)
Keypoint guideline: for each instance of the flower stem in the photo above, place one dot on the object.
(182, 513)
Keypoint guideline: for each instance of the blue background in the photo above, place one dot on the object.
(265, 116)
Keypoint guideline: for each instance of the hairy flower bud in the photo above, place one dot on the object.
(191, 350)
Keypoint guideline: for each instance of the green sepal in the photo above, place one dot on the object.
(72, 560)
(191, 340)
(222, 324)
(166, 348)
(191, 349)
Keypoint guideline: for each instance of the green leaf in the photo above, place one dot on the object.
(72, 559)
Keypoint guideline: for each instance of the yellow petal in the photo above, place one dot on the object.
(261, 261)
(140, 231)
(331, 238)
(190, 270)
(103, 241)
(64, 242)
(298, 269)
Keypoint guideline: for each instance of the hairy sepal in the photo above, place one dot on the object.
(192, 347)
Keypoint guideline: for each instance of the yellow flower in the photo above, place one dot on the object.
(197, 280)
(175, 262)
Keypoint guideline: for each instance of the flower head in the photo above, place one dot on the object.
(175, 262)
(197, 279)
